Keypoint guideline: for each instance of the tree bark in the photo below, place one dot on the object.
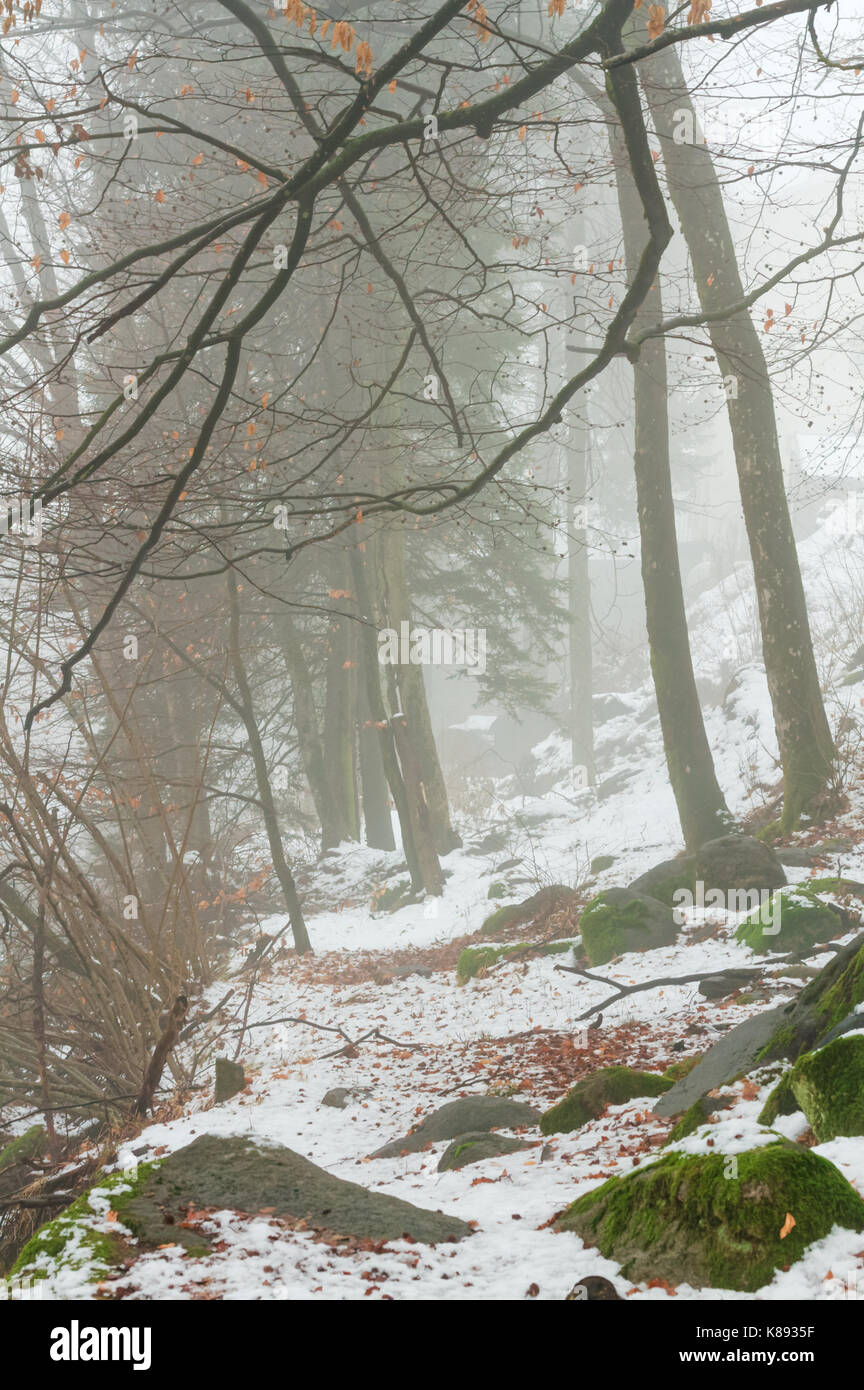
(413, 703)
(803, 734)
(701, 807)
(328, 808)
(340, 716)
(262, 775)
(422, 860)
(377, 820)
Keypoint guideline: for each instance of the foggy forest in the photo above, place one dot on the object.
(431, 654)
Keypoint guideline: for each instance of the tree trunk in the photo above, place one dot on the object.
(334, 828)
(412, 699)
(422, 860)
(340, 715)
(377, 820)
(701, 807)
(579, 650)
(803, 734)
(262, 776)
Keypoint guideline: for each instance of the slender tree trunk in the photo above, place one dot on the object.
(803, 734)
(422, 860)
(701, 807)
(262, 776)
(340, 719)
(413, 704)
(377, 820)
(39, 1021)
(329, 810)
(579, 648)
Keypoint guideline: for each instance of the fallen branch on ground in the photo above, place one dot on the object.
(333, 1028)
(623, 990)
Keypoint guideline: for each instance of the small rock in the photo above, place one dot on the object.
(230, 1078)
(473, 1148)
(592, 1289)
(718, 986)
(471, 1115)
(796, 858)
(337, 1098)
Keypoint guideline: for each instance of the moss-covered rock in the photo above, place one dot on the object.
(476, 958)
(839, 887)
(230, 1079)
(820, 1006)
(600, 863)
(497, 890)
(828, 1086)
(239, 1175)
(680, 1069)
(474, 1148)
(553, 898)
(618, 920)
(76, 1239)
(689, 1122)
(590, 1096)
(699, 1113)
(780, 1102)
(791, 920)
(664, 880)
(697, 1219)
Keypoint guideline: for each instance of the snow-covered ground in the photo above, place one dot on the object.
(514, 1031)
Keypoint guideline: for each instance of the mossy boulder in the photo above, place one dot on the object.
(791, 920)
(239, 1175)
(665, 879)
(678, 1070)
(497, 890)
(618, 920)
(780, 1102)
(473, 1148)
(838, 886)
(828, 1086)
(554, 898)
(476, 958)
(713, 1221)
(600, 863)
(77, 1240)
(590, 1096)
(699, 1113)
(738, 864)
(820, 1007)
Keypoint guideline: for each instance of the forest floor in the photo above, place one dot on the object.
(511, 1032)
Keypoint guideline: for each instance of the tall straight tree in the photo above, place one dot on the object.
(803, 734)
(701, 806)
